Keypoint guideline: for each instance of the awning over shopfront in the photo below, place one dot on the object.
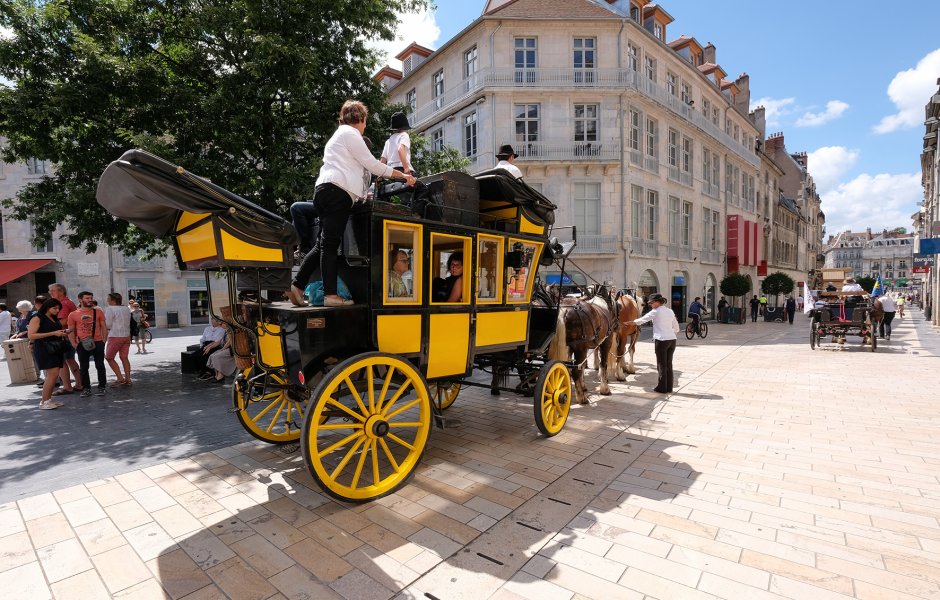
(16, 268)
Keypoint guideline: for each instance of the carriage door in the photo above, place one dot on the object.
(449, 281)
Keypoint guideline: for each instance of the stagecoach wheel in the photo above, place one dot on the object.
(689, 331)
(267, 407)
(703, 330)
(379, 418)
(552, 397)
(449, 391)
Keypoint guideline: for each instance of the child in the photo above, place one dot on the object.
(397, 150)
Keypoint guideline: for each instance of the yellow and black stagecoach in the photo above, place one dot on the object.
(359, 386)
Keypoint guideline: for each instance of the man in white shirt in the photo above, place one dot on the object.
(507, 156)
(665, 328)
(6, 322)
(851, 286)
(890, 308)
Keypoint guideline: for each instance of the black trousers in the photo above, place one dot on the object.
(753, 313)
(334, 206)
(790, 315)
(83, 358)
(202, 358)
(664, 351)
(886, 324)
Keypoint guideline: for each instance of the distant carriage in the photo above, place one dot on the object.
(358, 385)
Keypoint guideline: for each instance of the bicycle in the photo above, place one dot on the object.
(690, 330)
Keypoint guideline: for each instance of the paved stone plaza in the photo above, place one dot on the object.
(774, 471)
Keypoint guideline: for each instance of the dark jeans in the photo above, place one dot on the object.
(98, 355)
(790, 314)
(664, 351)
(304, 217)
(753, 313)
(695, 319)
(886, 324)
(334, 206)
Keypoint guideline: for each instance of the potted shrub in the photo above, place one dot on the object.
(774, 285)
(735, 285)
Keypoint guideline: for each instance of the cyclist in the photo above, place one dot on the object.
(695, 313)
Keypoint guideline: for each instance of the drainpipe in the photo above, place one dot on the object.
(493, 95)
(623, 173)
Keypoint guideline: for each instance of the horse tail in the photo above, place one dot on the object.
(558, 349)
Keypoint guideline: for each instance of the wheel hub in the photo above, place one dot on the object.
(376, 427)
(561, 398)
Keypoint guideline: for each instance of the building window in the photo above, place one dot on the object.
(715, 116)
(437, 89)
(636, 198)
(34, 166)
(685, 224)
(633, 57)
(527, 124)
(658, 30)
(672, 145)
(585, 50)
(673, 221)
(736, 132)
(686, 94)
(526, 59)
(411, 99)
(687, 157)
(706, 107)
(470, 64)
(587, 208)
(45, 245)
(716, 173)
(652, 217)
(650, 69)
(706, 165)
(585, 122)
(437, 140)
(652, 139)
(470, 134)
(672, 83)
(635, 129)
(715, 231)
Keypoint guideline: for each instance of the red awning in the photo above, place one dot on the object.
(14, 269)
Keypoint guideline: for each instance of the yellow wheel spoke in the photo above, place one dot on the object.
(357, 426)
(300, 410)
(401, 441)
(343, 441)
(340, 406)
(371, 392)
(375, 462)
(388, 381)
(403, 409)
(290, 409)
(280, 409)
(264, 412)
(362, 462)
(401, 424)
(355, 394)
(395, 398)
(342, 464)
(388, 455)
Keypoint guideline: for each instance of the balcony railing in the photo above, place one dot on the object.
(672, 172)
(570, 151)
(679, 252)
(636, 157)
(575, 78)
(685, 178)
(645, 247)
(597, 244)
(711, 256)
(651, 164)
(710, 189)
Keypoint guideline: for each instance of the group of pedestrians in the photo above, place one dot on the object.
(66, 338)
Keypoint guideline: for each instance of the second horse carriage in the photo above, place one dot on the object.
(838, 314)
(359, 386)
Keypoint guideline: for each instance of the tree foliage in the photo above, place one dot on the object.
(245, 92)
(776, 284)
(734, 285)
(867, 283)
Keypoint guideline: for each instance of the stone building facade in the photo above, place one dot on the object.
(930, 207)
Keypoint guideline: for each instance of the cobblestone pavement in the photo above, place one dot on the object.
(774, 471)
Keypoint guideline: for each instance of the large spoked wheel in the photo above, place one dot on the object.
(366, 427)
(552, 397)
(448, 393)
(689, 331)
(268, 407)
(703, 330)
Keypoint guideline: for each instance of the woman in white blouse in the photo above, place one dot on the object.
(344, 178)
(665, 328)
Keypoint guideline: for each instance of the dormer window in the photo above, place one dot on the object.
(635, 13)
(658, 30)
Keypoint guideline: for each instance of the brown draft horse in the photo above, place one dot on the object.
(583, 325)
(628, 308)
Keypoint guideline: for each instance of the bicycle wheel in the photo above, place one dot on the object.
(147, 336)
(689, 331)
(703, 330)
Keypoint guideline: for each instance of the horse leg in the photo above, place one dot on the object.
(631, 368)
(604, 387)
(580, 355)
(616, 355)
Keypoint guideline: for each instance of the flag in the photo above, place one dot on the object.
(879, 289)
(807, 299)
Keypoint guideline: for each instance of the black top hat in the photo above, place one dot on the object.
(657, 298)
(506, 151)
(399, 122)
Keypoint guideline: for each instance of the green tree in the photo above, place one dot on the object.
(776, 284)
(734, 285)
(241, 91)
(424, 159)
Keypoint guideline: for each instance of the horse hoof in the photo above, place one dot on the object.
(621, 377)
(585, 402)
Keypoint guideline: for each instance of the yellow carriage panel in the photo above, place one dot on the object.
(527, 226)
(270, 345)
(505, 327)
(398, 334)
(448, 344)
(198, 243)
(236, 249)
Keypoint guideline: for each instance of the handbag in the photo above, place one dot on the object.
(55, 345)
(88, 343)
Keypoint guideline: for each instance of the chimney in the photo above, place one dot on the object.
(709, 54)
(743, 100)
(758, 117)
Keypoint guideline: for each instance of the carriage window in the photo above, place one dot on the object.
(521, 260)
(450, 259)
(402, 261)
(489, 269)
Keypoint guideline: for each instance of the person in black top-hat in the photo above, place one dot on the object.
(397, 150)
(507, 156)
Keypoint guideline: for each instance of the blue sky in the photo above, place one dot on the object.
(844, 81)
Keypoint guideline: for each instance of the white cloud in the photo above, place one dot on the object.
(834, 110)
(774, 108)
(412, 27)
(6, 33)
(828, 164)
(910, 90)
(882, 201)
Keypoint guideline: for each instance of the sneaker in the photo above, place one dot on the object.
(337, 302)
(100, 392)
(86, 393)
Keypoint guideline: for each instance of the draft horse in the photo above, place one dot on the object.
(628, 308)
(582, 326)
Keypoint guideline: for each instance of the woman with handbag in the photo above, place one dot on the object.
(49, 346)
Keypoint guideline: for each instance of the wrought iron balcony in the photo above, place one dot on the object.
(644, 247)
(567, 151)
(679, 252)
(597, 244)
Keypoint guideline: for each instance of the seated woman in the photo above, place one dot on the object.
(400, 265)
(450, 288)
(222, 363)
